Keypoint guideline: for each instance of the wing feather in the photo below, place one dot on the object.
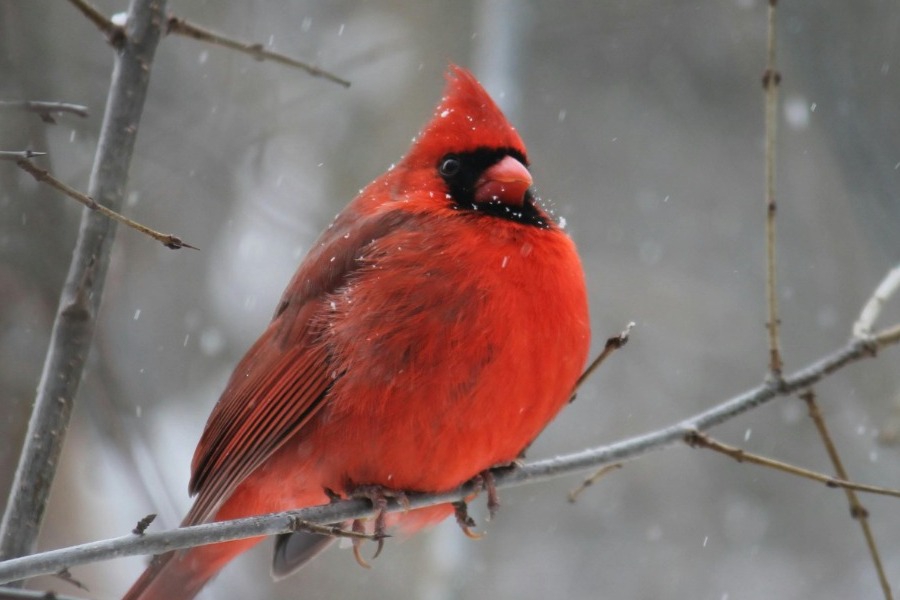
(283, 380)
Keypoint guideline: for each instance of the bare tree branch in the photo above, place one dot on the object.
(45, 110)
(256, 50)
(698, 440)
(612, 344)
(76, 317)
(588, 482)
(771, 79)
(115, 34)
(210, 533)
(19, 155)
(169, 241)
(870, 312)
(857, 510)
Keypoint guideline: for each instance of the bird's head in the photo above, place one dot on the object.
(472, 153)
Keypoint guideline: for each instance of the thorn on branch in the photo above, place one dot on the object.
(143, 524)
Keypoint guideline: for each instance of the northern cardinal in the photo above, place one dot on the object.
(431, 333)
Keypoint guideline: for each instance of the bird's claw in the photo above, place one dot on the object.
(378, 496)
(465, 522)
(484, 481)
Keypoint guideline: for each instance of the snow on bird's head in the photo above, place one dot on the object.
(467, 118)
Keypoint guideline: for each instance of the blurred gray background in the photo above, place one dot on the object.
(644, 125)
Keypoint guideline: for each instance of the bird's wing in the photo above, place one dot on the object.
(284, 378)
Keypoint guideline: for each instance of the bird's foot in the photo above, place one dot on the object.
(378, 495)
(485, 482)
(465, 522)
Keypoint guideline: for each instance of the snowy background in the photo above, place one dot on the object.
(643, 121)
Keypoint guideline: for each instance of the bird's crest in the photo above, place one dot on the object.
(466, 119)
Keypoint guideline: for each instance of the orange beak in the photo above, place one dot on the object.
(506, 182)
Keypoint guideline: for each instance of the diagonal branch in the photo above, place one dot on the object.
(857, 510)
(76, 317)
(256, 50)
(286, 522)
(695, 439)
(870, 312)
(115, 34)
(612, 344)
(169, 241)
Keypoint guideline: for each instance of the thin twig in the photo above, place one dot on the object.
(771, 79)
(45, 110)
(597, 476)
(870, 312)
(257, 51)
(115, 34)
(612, 344)
(76, 316)
(695, 439)
(43, 176)
(19, 155)
(857, 510)
(211, 533)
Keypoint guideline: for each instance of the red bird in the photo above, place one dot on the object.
(432, 332)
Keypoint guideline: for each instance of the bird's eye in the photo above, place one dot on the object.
(449, 166)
